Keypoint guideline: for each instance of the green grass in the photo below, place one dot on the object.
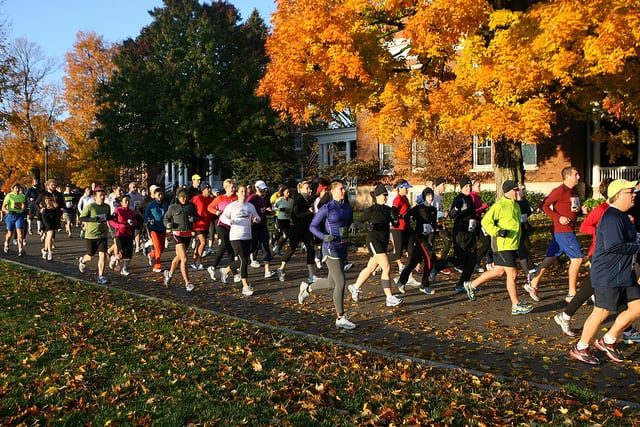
(74, 354)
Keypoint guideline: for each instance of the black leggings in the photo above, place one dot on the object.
(400, 243)
(420, 250)
(223, 234)
(464, 252)
(297, 236)
(242, 249)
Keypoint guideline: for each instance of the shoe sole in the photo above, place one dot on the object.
(346, 328)
(580, 359)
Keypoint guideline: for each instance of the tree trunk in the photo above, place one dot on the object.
(508, 163)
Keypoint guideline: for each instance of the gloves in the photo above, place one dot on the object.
(328, 238)
(353, 228)
(503, 233)
(130, 222)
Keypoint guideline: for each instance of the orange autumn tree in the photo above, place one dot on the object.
(442, 71)
(31, 108)
(88, 65)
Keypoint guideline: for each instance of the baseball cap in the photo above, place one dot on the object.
(404, 184)
(509, 185)
(260, 185)
(195, 176)
(98, 188)
(380, 189)
(619, 184)
(206, 185)
(153, 189)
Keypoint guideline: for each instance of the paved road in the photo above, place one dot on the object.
(444, 328)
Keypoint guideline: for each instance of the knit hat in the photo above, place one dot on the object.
(426, 192)
(509, 185)
(465, 180)
(439, 181)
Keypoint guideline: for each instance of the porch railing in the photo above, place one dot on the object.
(630, 173)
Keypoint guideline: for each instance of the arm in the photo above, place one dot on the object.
(318, 219)
(456, 205)
(489, 220)
(547, 205)
(612, 235)
(590, 223)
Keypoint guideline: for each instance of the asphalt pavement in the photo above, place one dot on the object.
(444, 328)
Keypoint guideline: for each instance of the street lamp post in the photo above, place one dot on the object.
(45, 145)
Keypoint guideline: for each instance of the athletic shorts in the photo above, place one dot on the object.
(181, 240)
(564, 243)
(67, 218)
(506, 258)
(610, 298)
(202, 232)
(377, 247)
(15, 220)
(96, 245)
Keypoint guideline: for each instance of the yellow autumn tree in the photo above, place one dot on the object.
(442, 71)
(88, 65)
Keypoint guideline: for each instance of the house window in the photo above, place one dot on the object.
(387, 157)
(418, 156)
(482, 154)
(529, 155)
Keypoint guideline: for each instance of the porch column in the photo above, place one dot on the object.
(595, 168)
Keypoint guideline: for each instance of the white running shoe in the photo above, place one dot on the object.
(188, 287)
(304, 292)
(247, 290)
(167, 278)
(255, 264)
(124, 272)
(393, 300)
(102, 280)
(355, 292)
(344, 323)
(212, 272)
(43, 251)
(413, 282)
(223, 275)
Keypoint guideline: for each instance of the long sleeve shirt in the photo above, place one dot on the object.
(123, 221)
(240, 216)
(590, 224)
(504, 215)
(333, 218)
(612, 261)
(562, 201)
(154, 215)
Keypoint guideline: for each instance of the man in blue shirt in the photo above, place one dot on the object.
(612, 276)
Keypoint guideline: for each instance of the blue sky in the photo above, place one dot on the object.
(53, 24)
